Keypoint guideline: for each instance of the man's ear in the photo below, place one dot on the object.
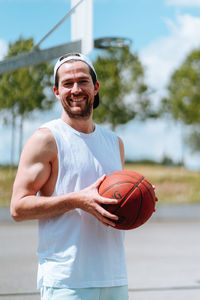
(56, 92)
(96, 87)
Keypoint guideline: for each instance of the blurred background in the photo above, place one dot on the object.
(165, 39)
(147, 57)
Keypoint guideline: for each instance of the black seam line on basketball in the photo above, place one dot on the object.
(141, 204)
(116, 184)
(128, 194)
(149, 192)
(124, 173)
(147, 182)
(139, 210)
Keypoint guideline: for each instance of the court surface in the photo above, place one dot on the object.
(163, 260)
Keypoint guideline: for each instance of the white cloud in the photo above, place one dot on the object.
(191, 3)
(166, 54)
(3, 49)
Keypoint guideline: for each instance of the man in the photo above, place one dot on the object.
(81, 254)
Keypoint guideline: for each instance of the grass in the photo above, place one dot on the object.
(174, 185)
(7, 177)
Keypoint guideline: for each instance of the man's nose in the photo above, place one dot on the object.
(75, 88)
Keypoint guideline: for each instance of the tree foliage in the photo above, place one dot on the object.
(123, 92)
(183, 101)
(23, 91)
(193, 139)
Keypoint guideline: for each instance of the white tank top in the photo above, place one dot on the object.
(76, 250)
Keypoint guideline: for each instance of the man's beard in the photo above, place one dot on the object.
(85, 113)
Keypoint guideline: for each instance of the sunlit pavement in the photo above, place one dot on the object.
(163, 260)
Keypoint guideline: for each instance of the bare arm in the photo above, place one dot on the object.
(37, 171)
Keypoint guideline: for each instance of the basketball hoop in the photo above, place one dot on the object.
(112, 42)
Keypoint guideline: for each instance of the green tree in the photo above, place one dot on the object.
(193, 139)
(23, 91)
(183, 100)
(123, 93)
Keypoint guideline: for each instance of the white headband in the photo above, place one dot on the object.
(78, 56)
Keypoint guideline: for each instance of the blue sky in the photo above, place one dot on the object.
(163, 33)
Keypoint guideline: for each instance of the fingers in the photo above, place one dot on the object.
(104, 200)
(102, 214)
(99, 181)
(108, 222)
(106, 214)
(154, 191)
(93, 203)
(106, 218)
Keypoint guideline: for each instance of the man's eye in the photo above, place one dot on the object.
(68, 83)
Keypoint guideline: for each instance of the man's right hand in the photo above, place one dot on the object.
(91, 202)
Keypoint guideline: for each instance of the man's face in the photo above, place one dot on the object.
(76, 90)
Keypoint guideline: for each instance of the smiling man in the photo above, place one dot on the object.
(76, 89)
(81, 254)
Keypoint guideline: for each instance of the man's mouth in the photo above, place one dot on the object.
(77, 99)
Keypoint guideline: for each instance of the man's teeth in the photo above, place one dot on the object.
(77, 100)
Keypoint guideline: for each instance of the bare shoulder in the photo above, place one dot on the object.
(44, 137)
(41, 144)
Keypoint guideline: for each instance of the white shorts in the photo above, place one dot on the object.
(104, 293)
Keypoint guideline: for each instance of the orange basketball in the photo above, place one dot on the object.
(135, 195)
